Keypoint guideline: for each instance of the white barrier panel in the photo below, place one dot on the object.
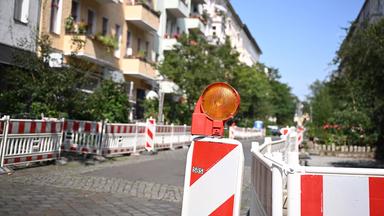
(342, 195)
(31, 141)
(213, 177)
(244, 133)
(141, 136)
(182, 135)
(164, 136)
(119, 139)
(83, 137)
(267, 183)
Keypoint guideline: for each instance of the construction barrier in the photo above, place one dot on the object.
(311, 191)
(25, 141)
(119, 139)
(245, 133)
(213, 177)
(83, 137)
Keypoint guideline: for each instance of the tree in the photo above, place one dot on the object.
(32, 88)
(194, 63)
(361, 74)
(110, 102)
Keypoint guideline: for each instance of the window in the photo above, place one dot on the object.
(55, 24)
(104, 30)
(118, 37)
(138, 44)
(75, 11)
(21, 10)
(91, 22)
(129, 39)
(147, 49)
(128, 47)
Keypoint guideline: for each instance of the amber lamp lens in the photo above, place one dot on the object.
(220, 101)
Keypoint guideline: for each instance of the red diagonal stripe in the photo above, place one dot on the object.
(376, 196)
(150, 134)
(225, 209)
(206, 155)
(312, 195)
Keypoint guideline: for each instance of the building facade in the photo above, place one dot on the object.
(19, 23)
(371, 11)
(117, 37)
(224, 22)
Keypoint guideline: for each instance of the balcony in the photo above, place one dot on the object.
(177, 8)
(168, 43)
(196, 24)
(142, 16)
(91, 50)
(138, 67)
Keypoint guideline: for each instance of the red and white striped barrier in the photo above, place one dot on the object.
(342, 195)
(244, 133)
(164, 136)
(150, 132)
(27, 141)
(82, 137)
(120, 139)
(213, 177)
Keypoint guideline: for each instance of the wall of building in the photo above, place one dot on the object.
(14, 33)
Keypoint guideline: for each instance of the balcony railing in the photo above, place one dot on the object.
(177, 8)
(142, 15)
(138, 66)
(88, 47)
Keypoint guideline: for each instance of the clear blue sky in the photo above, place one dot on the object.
(299, 37)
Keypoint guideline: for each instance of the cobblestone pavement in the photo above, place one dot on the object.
(109, 188)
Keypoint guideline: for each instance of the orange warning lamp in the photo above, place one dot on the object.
(218, 103)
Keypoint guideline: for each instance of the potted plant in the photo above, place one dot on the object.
(110, 42)
(69, 25)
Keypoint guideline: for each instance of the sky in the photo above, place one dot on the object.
(299, 37)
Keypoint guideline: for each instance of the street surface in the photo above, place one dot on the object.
(133, 185)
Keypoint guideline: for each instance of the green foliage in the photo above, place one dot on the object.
(352, 101)
(194, 63)
(108, 41)
(110, 102)
(33, 88)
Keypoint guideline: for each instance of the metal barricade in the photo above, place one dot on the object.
(26, 141)
(83, 137)
(119, 139)
(140, 136)
(182, 136)
(164, 137)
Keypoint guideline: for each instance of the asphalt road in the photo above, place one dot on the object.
(133, 185)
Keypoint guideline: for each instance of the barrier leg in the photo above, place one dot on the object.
(293, 186)
(277, 187)
(4, 141)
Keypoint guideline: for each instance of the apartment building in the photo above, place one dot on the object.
(224, 22)
(117, 36)
(19, 22)
(371, 11)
